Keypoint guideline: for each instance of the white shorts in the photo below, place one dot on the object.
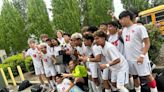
(106, 74)
(139, 69)
(39, 70)
(94, 69)
(50, 71)
(59, 68)
(120, 77)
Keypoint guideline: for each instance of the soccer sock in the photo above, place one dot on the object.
(93, 86)
(122, 89)
(89, 86)
(152, 85)
(99, 88)
(108, 90)
(131, 83)
(113, 88)
(52, 84)
(138, 89)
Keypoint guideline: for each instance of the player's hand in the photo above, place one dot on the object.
(64, 75)
(102, 66)
(84, 59)
(140, 60)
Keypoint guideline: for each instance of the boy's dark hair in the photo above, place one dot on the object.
(92, 29)
(58, 75)
(101, 34)
(125, 14)
(89, 37)
(67, 34)
(114, 23)
(104, 24)
(49, 39)
(56, 40)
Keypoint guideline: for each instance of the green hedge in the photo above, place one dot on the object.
(13, 61)
(156, 41)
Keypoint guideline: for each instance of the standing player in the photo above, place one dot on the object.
(115, 61)
(93, 59)
(34, 53)
(115, 36)
(48, 59)
(136, 42)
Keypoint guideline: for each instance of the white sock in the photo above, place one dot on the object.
(90, 86)
(108, 90)
(99, 88)
(131, 83)
(52, 84)
(138, 89)
(114, 88)
(123, 89)
(154, 89)
(93, 86)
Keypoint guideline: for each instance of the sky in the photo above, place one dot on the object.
(118, 7)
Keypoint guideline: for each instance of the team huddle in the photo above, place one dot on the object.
(103, 59)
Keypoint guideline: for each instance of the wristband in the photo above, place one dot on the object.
(88, 59)
(142, 55)
(107, 65)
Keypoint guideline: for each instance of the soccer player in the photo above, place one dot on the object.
(136, 42)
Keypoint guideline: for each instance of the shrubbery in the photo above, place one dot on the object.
(155, 41)
(15, 60)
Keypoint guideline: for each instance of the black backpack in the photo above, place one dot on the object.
(4, 90)
(160, 81)
(25, 84)
(36, 88)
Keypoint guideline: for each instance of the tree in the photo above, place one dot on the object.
(97, 11)
(138, 5)
(21, 6)
(66, 15)
(37, 18)
(12, 37)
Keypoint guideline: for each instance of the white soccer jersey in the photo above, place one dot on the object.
(61, 41)
(34, 53)
(114, 39)
(111, 53)
(62, 87)
(55, 50)
(82, 50)
(47, 61)
(133, 41)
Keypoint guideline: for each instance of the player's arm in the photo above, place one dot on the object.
(147, 45)
(97, 58)
(25, 54)
(53, 59)
(114, 62)
(70, 86)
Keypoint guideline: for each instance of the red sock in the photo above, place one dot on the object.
(152, 84)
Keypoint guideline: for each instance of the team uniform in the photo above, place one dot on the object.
(119, 72)
(114, 39)
(48, 65)
(34, 53)
(58, 67)
(93, 66)
(62, 87)
(133, 41)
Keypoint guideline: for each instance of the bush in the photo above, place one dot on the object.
(156, 42)
(13, 61)
(4, 67)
